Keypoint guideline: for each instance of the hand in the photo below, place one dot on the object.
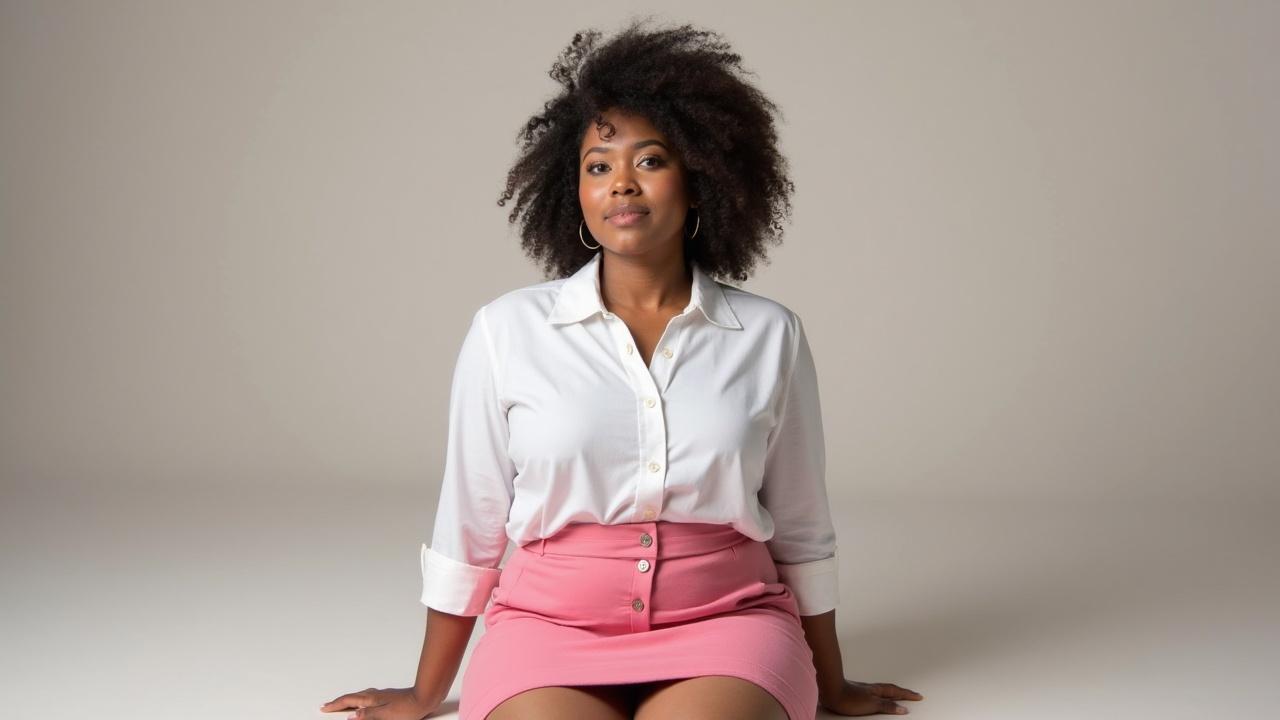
(388, 704)
(857, 698)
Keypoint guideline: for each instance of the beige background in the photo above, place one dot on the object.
(1035, 246)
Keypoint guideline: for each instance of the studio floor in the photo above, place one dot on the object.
(266, 603)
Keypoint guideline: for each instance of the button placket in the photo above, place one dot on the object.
(653, 418)
(642, 580)
(651, 425)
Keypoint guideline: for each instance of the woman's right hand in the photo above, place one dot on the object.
(386, 704)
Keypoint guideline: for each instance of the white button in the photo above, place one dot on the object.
(654, 467)
(666, 352)
(629, 348)
(643, 566)
(650, 402)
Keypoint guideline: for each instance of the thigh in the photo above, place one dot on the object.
(581, 702)
(710, 696)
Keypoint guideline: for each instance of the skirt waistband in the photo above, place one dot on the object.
(658, 539)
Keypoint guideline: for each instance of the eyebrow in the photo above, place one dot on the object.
(637, 146)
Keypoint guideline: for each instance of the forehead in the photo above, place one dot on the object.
(620, 128)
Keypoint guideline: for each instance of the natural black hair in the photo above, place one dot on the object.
(691, 86)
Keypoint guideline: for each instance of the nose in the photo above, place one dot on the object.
(625, 184)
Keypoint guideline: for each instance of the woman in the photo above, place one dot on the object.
(650, 438)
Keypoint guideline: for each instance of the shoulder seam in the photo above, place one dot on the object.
(488, 345)
(791, 370)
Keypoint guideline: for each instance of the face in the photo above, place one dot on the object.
(631, 163)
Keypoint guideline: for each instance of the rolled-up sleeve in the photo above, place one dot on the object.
(460, 567)
(794, 490)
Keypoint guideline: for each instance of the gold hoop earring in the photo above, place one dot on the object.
(584, 242)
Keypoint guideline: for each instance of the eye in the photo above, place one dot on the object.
(657, 162)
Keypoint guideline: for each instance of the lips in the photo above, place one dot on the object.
(634, 208)
(627, 219)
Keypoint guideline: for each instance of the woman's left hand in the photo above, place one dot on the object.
(857, 698)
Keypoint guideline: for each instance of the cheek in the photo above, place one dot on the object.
(670, 187)
(670, 195)
(588, 192)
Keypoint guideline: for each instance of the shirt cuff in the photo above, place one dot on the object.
(815, 584)
(455, 587)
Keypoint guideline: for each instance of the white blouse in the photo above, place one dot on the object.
(554, 419)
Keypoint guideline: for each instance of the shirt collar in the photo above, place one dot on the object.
(580, 297)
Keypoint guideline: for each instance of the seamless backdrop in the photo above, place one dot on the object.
(1035, 246)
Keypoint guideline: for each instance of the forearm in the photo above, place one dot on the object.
(820, 632)
(442, 649)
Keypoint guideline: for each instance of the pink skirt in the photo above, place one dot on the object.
(635, 603)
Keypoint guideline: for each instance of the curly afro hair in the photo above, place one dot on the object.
(690, 85)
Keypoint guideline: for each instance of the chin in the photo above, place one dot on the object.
(637, 240)
(625, 243)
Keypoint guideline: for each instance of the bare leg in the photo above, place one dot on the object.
(581, 702)
(710, 696)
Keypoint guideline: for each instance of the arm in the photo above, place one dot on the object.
(442, 650)
(460, 568)
(794, 491)
(841, 696)
(820, 633)
(804, 541)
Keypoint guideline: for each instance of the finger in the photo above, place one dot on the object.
(339, 703)
(369, 712)
(889, 690)
(350, 701)
(889, 706)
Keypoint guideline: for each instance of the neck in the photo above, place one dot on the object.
(645, 284)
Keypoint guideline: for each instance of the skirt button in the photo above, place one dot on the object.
(643, 565)
(637, 604)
